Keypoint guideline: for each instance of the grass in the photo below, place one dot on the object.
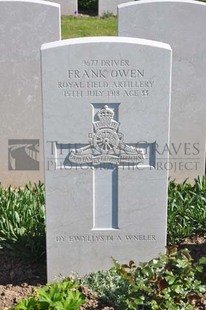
(83, 26)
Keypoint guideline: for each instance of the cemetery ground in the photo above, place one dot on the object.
(173, 281)
(86, 26)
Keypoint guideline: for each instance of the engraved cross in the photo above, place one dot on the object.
(106, 152)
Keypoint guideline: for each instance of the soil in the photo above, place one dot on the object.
(19, 278)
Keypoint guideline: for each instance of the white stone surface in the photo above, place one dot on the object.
(182, 25)
(24, 25)
(68, 7)
(106, 104)
(109, 6)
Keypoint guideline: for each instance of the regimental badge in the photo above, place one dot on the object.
(106, 144)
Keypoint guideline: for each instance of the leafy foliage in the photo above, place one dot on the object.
(170, 282)
(88, 6)
(109, 286)
(57, 296)
(186, 210)
(107, 14)
(22, 225)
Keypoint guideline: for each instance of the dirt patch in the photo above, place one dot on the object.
(19, 278)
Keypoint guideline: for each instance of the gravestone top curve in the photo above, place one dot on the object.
(105, 39)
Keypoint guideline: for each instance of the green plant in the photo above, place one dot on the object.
(170, 282)
(109, 286)
(186, 209)
(57, 296)
(88, 5)
(22, 225)
(107, 14)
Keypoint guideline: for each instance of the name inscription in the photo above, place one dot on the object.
(110, 78)
(104, 238)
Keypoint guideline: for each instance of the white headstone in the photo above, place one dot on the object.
(105, 107)
(25, 26)
(68, 7)
(182, 25)
(109, 6)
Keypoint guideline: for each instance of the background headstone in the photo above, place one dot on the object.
(109, 6)
(68, 7)
(105, 107)
(182, 25)
(25, 25)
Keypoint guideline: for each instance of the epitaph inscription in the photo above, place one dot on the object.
(104, 238)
